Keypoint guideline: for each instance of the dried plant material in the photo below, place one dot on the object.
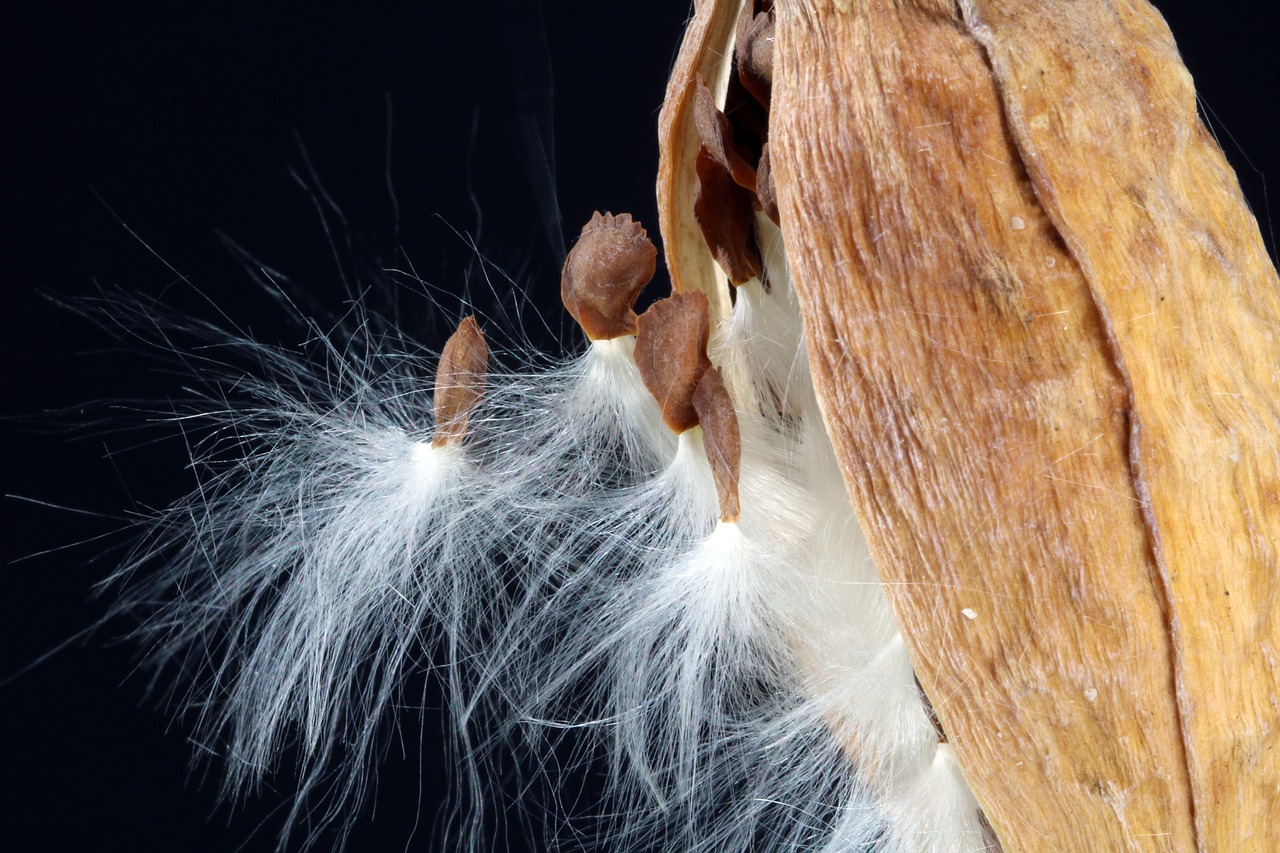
(607, 268)
(754, 54)
(702, 55)
(765, 192)
(722, 204)
(1009, 328)
(671, 352)
(720, 432)
(724, 212)
(1190, 305)
(748, 118)
(982, 423)
(460, 381)
(716, 134)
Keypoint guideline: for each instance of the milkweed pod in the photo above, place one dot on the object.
(1039, 319)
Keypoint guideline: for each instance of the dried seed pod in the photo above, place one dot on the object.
(607, 268)
(702, 56)
(1190, 304)
(460, 381)
(1038, 316)
(719, 423)
(671, 353)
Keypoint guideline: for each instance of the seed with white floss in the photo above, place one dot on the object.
(567, 433)
(579, 460)
(655, 629)
(301, 573)
(761, 347)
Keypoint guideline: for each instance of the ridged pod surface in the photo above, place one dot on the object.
(1040, 321)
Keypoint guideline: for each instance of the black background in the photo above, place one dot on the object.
(176, 122)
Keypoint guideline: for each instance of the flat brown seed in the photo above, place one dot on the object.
(671, 354)
(723, 440)
(754, 53)
(713, 127)
(716, 133)
(724, 213)
(606, 270)
(722, 199)
(460, 381)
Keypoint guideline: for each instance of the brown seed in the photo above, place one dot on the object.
(460, 381)
(722, 201)
(723, 440)
(754, 53)
(606, 270)
(671, 354)
(716, 133)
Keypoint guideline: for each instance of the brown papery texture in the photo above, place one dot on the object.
(703, 54)
(1191, 304)
(716, 135)
(604, 273)
(460, 380)
(983, 416)
(754, 52)
(722, 201)
(722, 438)
(671, 355)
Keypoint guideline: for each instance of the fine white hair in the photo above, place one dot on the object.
(741, 682)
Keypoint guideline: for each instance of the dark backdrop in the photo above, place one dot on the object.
(135, 134)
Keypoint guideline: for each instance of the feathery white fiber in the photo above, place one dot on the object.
(697, 613)
(561, 434)
(760, 344)
(743, 680)
(301, 578)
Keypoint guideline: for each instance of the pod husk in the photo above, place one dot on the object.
(1041, 325)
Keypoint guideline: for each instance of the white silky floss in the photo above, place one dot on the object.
(760, 345)
(565, 450)
(743, 675)
(299, 578)
(566, 432)
(853, 668)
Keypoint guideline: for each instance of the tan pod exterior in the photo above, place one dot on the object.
(1041, 323)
